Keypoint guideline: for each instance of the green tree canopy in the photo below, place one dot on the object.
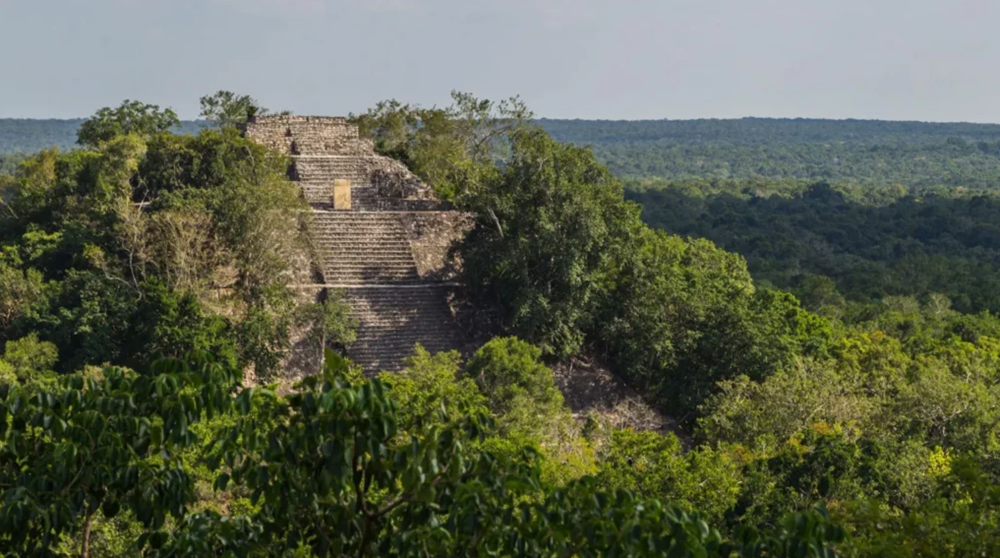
(546, 226)
(326, 471)
(228, 110)
(131, 117)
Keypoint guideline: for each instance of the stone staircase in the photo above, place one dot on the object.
(364, 251)
(316, 173)
(328, 168)
(363, 247)
(311, 143)
(393, 319)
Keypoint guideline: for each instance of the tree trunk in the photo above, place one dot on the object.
(85, 552)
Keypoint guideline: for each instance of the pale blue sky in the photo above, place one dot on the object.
(892, 59)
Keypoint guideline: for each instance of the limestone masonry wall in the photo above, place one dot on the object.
(276, 132)
(432, 235)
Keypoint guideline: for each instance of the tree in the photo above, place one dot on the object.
(329, 472)
(87, 316)
(18, 291)
(264, 340)
(681, 315)
(528, 408)
(432, 390)
(520, 389)
(258, 213)
(340, 481)
(446, 147)
(656, 466)
(132, 117)
(31, 362)
(91, 231)
(229, 110)
(329, 322)
(546, 224)
(88, 447)
(172, 324)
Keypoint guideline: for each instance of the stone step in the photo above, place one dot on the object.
(361, 234)
(389, 263)
(395, 268)
(357, 260)
(331, 163)
(393, 327)
(342, 220)
(389, 229)
(363, 257)
(362, 197)
(328, 183)
(392, 270)
(335, 128)
(361, 230)
(375, 274)
(391, 330)
(330, 173)
(345, 235)
(348, 238)
(350, 160)
(334, 140)
(373, 349)
(366, 274)
(392, 224)
(358, 279)
(355, 264)
(359, 216)
(317, 144)
(362, 248)
(358, 188)
(370, 273)
(364, 253)
(327, 178)
(393, 320)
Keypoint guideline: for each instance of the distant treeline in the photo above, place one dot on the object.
(758, 131)
(866, 152)
(829, 243)
(25, 135)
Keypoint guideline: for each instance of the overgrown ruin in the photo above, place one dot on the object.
(380, 236)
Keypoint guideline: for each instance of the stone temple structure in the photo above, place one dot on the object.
(379, 234)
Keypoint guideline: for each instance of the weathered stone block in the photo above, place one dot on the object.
(341, 194)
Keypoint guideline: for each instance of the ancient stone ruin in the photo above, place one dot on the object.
(380, 236)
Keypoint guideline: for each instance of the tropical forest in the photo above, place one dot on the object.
(805, 313)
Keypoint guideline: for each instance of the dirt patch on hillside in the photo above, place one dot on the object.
(591, 389)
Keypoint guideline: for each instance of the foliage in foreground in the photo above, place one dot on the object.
(326, 471)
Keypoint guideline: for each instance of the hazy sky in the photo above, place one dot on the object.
(891, 59)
